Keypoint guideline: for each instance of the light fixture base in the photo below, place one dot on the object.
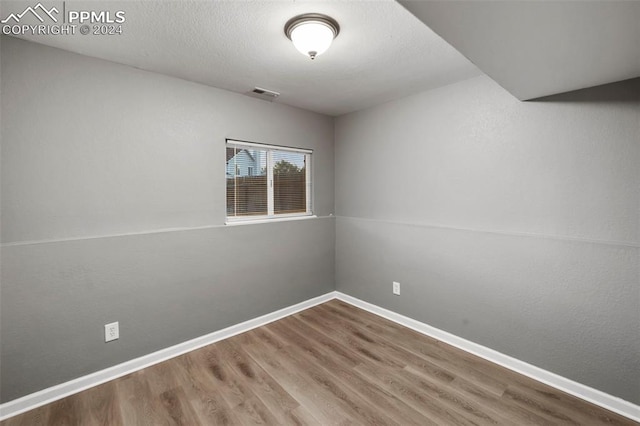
(311, 17)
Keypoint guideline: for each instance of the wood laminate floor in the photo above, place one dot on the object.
(333, 364)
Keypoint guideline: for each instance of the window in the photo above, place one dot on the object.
(266, 181)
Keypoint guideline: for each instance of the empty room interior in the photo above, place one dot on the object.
(320, 212)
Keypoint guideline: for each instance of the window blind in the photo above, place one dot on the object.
(267, 180)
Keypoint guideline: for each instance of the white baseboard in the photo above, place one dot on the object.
(612, 403)
(54, 393)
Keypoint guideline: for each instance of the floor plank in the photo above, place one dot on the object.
(332, 364)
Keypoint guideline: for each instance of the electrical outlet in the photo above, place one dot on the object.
(396, 288)
(111, 331)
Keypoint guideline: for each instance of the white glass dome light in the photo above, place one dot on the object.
(312, 33)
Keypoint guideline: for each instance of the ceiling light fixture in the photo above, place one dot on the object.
(312, 33)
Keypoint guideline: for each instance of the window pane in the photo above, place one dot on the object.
(246, 181)
(289, 182)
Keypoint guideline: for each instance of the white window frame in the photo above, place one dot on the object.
(271, 216)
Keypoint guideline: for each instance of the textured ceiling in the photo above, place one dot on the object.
(539, 48)
(382, 53)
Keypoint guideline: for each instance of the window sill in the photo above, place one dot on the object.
(268, 220)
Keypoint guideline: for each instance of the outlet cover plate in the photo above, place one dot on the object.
(396, 288)
(111, 331)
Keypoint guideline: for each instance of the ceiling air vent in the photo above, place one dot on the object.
(264, 94)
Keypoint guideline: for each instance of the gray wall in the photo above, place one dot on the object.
(95, 149)
(514, 225)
